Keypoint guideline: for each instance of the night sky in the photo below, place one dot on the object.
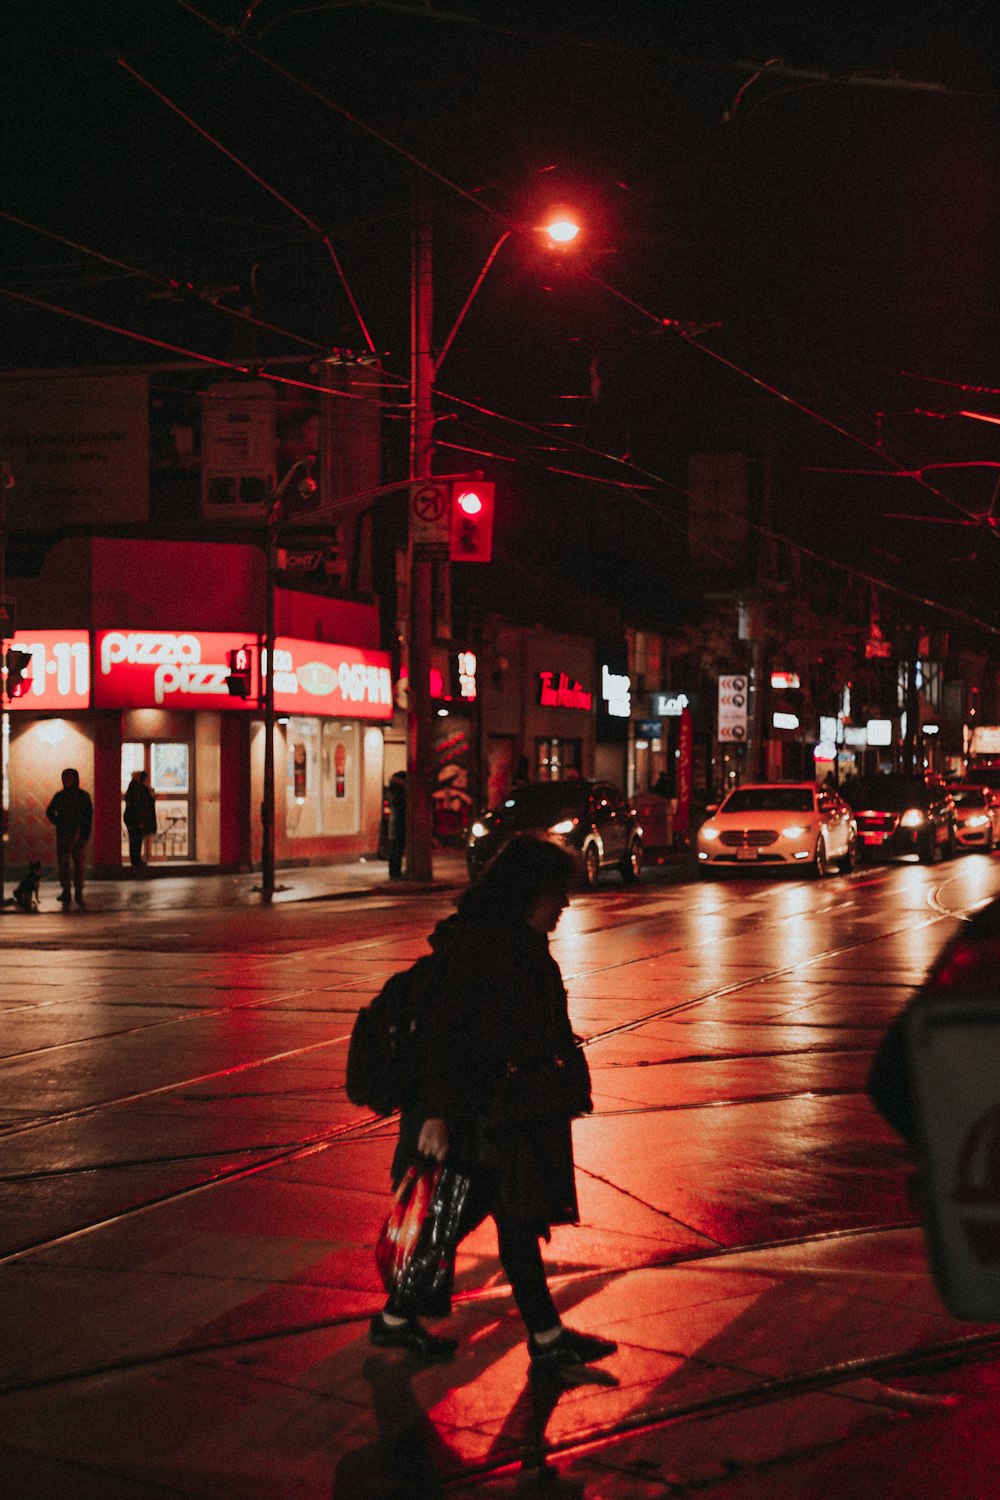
(827, 224)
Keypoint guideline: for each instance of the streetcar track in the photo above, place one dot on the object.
(322, 1141)
(773, 1096)
(533, 1449)
(371, 1123)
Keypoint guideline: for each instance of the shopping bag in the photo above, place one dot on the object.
(415, 1252)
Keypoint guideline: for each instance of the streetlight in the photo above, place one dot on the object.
(307, 487)
(560, 229)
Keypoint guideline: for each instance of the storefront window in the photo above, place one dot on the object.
(341, 777)
(556, 759)
(169, 768)
(322, 777)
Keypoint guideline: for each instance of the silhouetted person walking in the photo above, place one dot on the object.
(397, 824)
(72, 814)
(500, 1077)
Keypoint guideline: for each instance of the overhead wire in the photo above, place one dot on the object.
(688, 333)
(848, 570)
(168, 283)
(259, 371)
(261, 182)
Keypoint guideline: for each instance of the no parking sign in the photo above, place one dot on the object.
(953, 1045)
(733, 698)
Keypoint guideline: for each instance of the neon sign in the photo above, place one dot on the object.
(560, 692)
(616, 690)
(163, 669)
(312, 677)
(60, 670)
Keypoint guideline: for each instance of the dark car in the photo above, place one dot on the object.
(901, 814)
(591, 817)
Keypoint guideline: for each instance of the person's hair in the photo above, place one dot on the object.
(72, 771)
(515, 880)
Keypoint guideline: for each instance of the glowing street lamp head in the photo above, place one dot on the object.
(561, 227)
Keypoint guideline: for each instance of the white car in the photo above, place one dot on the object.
(977, 816)
(777, 825)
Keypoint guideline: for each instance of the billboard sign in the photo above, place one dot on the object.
(78, 449)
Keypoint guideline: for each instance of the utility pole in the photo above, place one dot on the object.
(265, 667)
(6, 483)
(419, 808)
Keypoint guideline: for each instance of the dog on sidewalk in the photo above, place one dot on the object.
(26, 890)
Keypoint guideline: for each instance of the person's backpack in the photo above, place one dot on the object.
(382, 1054)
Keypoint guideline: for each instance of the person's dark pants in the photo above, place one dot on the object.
(69, 861)
(520, 1255)
(136, 839)
(396, 847)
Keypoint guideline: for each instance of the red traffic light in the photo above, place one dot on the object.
(471, 536)
(18, 672)
(240, 672)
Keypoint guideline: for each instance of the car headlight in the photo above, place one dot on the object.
(978, 820)
(708, 833)
(912, 818)
(478, 830)
(794, 831)
(565, 826)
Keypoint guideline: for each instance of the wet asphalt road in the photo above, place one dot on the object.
(189, 1201)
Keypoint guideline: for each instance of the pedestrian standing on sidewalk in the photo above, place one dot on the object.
(500, 1078)
(72, 813)
(397, 824)
(139, 815)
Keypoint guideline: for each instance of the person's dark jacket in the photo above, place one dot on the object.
(496, 1021)
(72, 813)
(140, 808)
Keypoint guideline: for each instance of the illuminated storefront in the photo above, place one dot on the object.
(115, 701)
(538, 694)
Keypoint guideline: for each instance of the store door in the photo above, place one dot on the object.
(169, 766)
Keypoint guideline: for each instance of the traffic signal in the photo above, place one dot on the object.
(471, 538)
(18, 672)
(240, 672)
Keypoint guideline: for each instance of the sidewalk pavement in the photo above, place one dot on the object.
(157, 889)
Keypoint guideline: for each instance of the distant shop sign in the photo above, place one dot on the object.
(312, 677)
(668, 705)
(559, 690)
(985, 739)
(60, 671)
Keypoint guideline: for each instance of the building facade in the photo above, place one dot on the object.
(130, 642)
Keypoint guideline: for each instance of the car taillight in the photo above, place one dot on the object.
(970, 965)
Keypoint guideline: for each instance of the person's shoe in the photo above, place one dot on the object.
(569, 1348)
(65, 898)
(79, 898)
(410, 1335)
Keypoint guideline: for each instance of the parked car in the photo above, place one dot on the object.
(900, 814)
(592, 817)
(977, 816)
(779, 825)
